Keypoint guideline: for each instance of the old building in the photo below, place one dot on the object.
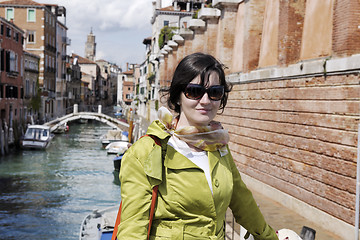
(11, 76)
(90, 47)
(39, 22)
(74, 85)
(62, 77)
(32, 94)
(128, 86)
(109, 72)
(90, 74)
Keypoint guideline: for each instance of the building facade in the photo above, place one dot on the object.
(62, 77)
(32, 94)
(11, 75)
(39, 22)
(90, 47)
(92, 75)
(128, 86)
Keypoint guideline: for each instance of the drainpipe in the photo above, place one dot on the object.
(357, 188)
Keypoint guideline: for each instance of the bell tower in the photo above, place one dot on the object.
(90, 47)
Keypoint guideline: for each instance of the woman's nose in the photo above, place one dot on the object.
(205, 99)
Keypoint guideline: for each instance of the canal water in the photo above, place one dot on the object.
(46, 194)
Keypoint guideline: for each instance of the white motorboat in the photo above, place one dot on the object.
(37, 137)
(114, 136)
(118, 147)
(99, 225)
(62, 128)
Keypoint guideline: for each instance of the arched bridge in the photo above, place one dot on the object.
(98, 116)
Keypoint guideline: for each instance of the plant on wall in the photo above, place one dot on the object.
(35, 101)
(165, 35)
(151, 77)
(156, 105)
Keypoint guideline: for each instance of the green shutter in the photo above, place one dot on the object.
(9, 14)
(31, 15)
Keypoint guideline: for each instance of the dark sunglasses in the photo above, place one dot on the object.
(197, 91)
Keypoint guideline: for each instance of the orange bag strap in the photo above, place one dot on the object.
(117, 222)
(153, 202)
(152, 209)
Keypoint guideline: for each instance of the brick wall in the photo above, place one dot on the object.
(294, 125)
(346, 27)
(291, 17)
(300, 137)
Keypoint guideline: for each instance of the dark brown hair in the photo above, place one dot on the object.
(189, 68)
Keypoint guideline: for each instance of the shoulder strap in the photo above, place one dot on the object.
(153, 200)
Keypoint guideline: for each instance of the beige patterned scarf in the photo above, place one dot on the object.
(208, 138)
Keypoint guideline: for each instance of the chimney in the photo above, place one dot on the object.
(154, 5)
(188, 7)
(127, 66)
(158, 4)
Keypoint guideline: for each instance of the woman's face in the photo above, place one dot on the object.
(202, 111)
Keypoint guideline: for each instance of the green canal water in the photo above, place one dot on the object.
(46, 194)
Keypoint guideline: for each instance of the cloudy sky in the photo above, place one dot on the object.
(120, 26)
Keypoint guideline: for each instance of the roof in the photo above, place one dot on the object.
(82, 60)
(22, 3)
(169, 8)
(39, 126)
(129, 72)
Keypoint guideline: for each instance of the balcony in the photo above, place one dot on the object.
(13, 74)
(66, 40)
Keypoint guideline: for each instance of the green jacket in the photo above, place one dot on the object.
(186, 208)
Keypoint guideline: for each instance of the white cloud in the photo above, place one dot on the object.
(119, 26)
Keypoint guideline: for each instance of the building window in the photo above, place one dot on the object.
(9, 13)
(31, 37)
(27, 87)
(13, 62)
(2, 57)
(34, 89)
(8, 32)
(31, 17)
(166, 23)
(128, 88)
(2, 29)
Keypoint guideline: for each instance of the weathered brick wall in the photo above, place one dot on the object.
(346, 27)
(300, 137)
(293, 125)
(291, 17)
(253, 22)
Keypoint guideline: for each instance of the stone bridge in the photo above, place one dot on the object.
(98, 116)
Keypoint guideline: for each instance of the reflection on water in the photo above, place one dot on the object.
(46, 194)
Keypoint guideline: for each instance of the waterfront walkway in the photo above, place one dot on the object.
(279, 217)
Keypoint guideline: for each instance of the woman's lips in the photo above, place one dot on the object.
(203, 111)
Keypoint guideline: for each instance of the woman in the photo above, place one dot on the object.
(197, 177)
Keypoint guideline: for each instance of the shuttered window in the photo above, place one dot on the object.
(31, 17)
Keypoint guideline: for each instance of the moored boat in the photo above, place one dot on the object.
(62, 128)
(118, 147)
(37, 137)
(99, 225)
(114, 136)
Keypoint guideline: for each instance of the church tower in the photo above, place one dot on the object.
(90, 47)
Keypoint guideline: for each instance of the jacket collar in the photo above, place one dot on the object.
(173, 159)
(157, 129)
